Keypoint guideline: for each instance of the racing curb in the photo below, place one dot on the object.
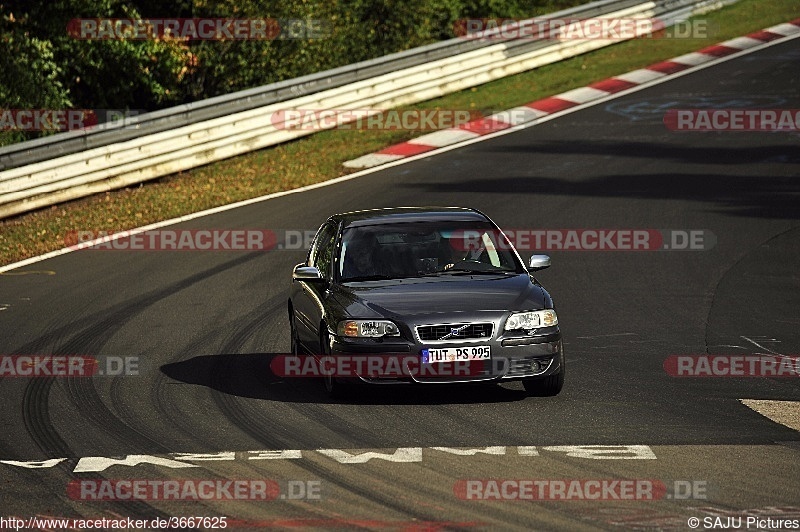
(533, 111)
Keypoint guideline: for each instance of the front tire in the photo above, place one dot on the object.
(295, 338)
(549, 386)
(335, 388)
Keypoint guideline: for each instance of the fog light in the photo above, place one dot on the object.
(535, 366)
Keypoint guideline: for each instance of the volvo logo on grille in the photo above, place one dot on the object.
(454, 332)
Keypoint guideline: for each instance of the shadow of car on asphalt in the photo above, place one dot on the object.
(249, 375)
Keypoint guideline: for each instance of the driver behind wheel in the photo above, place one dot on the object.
(361, 259)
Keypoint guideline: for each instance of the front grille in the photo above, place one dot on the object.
(467, 331)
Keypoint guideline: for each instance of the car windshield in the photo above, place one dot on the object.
(417, 249)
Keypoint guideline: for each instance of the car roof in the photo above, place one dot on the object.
(408, 214)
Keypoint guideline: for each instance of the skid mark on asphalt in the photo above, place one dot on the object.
(763, 340)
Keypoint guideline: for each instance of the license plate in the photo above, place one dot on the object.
(455, 354)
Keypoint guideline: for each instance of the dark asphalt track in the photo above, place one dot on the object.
(205, 323)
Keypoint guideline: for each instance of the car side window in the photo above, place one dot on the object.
(315, 245)
(322, 254)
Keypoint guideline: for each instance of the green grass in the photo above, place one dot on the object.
(319, 157)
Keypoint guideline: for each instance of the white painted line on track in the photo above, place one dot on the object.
(786, 413)
(444, 137)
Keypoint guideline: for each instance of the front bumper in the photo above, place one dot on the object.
(512, 358)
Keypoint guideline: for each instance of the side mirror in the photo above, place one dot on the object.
(539, 262)
(306, 273)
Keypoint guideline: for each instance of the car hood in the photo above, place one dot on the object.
(437, 295)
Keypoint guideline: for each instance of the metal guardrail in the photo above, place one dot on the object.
(71, 142)
(75, 164)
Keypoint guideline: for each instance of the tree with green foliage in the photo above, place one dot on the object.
(42, 66)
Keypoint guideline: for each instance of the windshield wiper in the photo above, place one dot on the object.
(368, 278)
(483, 272)
(464, 271)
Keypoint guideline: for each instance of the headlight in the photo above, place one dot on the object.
(368, 328)
(532, 320)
